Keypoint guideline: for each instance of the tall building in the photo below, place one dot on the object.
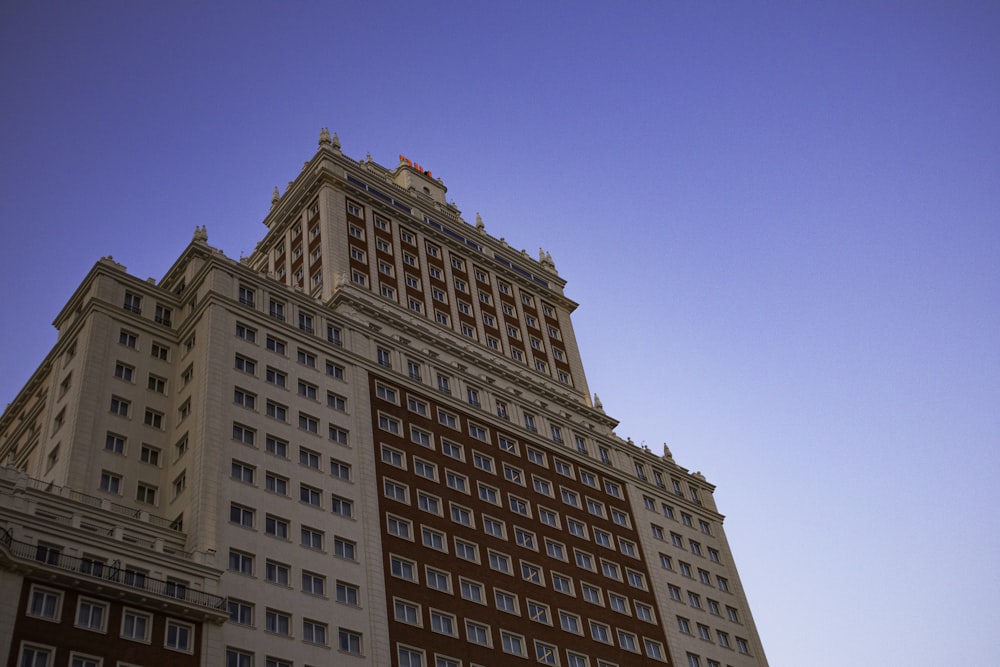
(371, 442)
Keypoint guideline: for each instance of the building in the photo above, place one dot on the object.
(371, 442)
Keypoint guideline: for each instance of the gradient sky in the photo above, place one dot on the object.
(780, 221)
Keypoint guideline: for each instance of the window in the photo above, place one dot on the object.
(428, 503)
(120, 406)
(584, 560)
(600, 632)
(276, 527)
(312, 538)
(576, 528)
(343, 548)
(276, 310)
(383, 357)
(276, 446)
(244, 434)
(340, 470)
(133, 303)
(336, 402)
(394, 491)
(478, 432)
(457, 482)
(442, 623)
(477, 633)
(542, 486)
(45, 603)
(571, 498)
(438, 580)
(179, 636)
(240, 612)
(111, 483)
(424, 469)
(518, 506)
(276, 573)
(277, 622)
(390, 424)
(461, 515)
(310, 495)
(242, 472)
(466, 550)
(240, 562)
(402, 568)
(555, 549)
(628, 641)
(447, 419)
(500, 562)
(620, 518)
(628, 547)
(472, 591)
(742, 646)
(90, 614)
(406, 612)
(483, 462)
(562, 584)
(114, 443)
(314, 632)
(244, 399)
(452, 450)
(636, 579)
(146, 493)
(410, 657)
(124, 371)
(494, 527)
(342, 506)
(531, 573)
(308, 458)
(618, 603)
(127, 338)
(315, 584)
(136, 625)
(569, 622)
(338, 435)
(733, 614)
(723, 639)
(489, 493)
(392, 456)
(511, 643)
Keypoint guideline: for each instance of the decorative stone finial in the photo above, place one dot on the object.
(503, 242)
(597, 403)
(336, 142)
(547, 261)
(275, 196)
(479, 223)
(324, 137)
(200, 234)
(667, 453)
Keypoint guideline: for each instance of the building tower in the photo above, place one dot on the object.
(371, 442)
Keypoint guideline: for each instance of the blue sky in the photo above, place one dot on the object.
(780, 220)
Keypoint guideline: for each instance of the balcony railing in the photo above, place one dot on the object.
(94, 501)
(51, 557)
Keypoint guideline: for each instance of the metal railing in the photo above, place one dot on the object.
(93, 501)
(113, 572)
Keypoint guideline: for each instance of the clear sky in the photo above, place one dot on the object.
(780, 221)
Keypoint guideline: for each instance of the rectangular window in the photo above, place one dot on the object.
(136, 625)
(312, 538)
(45, 603)
(277, 622)
(180, 636)
(313, 584)
(276, 573)
(343, 548)
(276, 527)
